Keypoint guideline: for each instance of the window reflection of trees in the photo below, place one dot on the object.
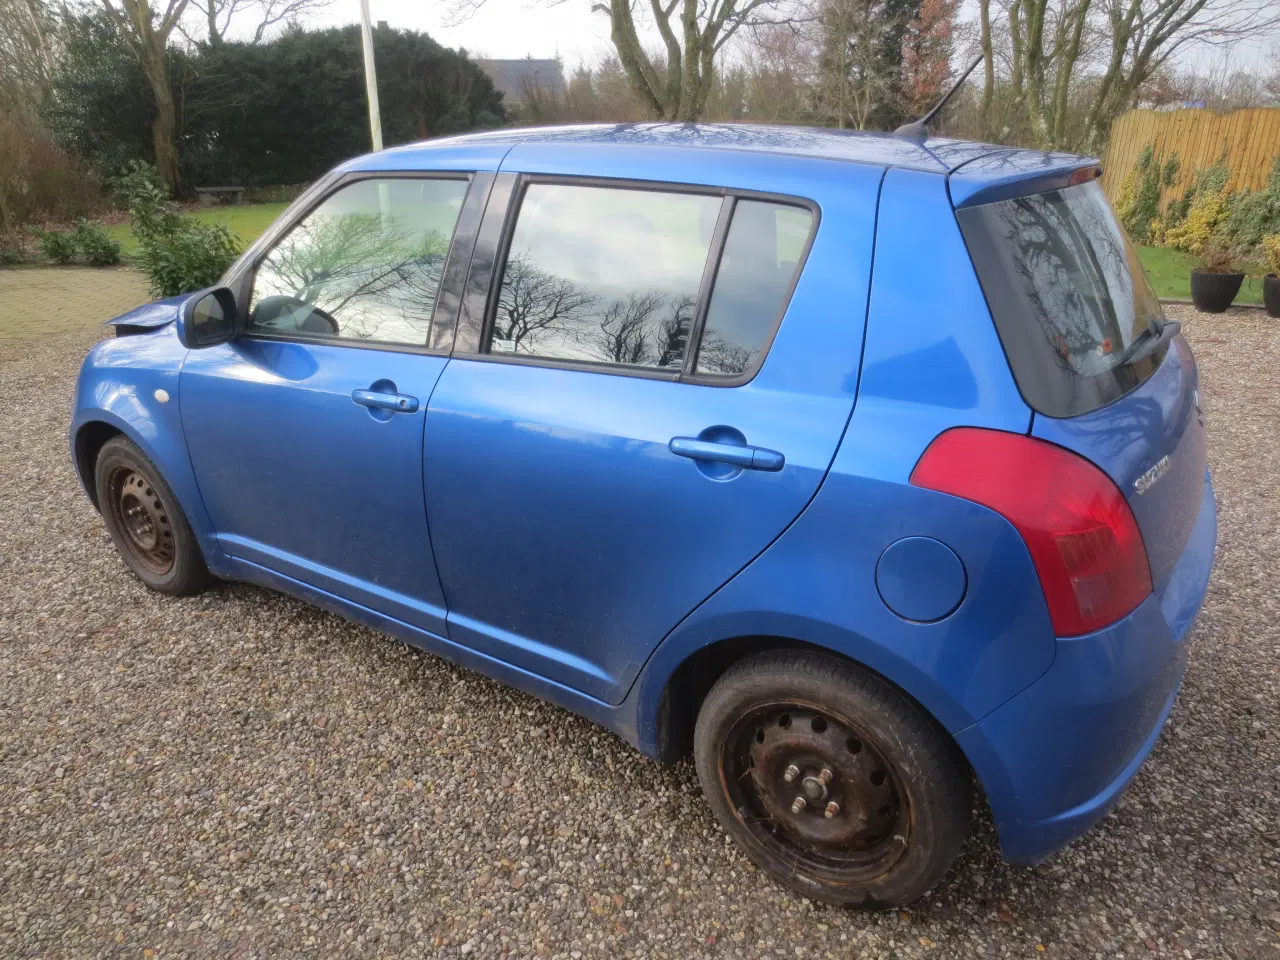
(1078, 275)
(721, 357)
(535, 307)
(377, 277)
(542, 314)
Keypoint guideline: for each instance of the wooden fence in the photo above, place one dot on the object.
(1249, 140)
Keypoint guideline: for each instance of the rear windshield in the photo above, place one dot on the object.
(1067, 293)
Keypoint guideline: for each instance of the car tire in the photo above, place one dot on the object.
(887, 796)
(145, 521)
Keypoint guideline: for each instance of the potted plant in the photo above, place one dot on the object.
(1271, 282)
(1215, 280)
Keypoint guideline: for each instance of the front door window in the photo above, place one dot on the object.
(364, 265)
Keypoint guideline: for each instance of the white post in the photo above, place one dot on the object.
(370, 76)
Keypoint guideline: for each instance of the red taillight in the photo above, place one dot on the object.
(1085, 544)
(1084, 175)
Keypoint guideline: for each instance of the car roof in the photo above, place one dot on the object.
(990, 163)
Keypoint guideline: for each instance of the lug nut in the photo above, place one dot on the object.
(791, 773)
(833, 809)
(798, 805)
(825, 775)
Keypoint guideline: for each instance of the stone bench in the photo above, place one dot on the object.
(213, 195)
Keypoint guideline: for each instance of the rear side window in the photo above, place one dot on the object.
(761, 256)
(644, 278)
(1067, 293)
(604, 275)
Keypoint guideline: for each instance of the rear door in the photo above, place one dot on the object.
(1080, 325)
(620, 431)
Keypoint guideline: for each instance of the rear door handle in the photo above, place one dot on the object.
(749, 458)
(395, 402)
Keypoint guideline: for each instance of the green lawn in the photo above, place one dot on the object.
(1170, 274)
(247, 221)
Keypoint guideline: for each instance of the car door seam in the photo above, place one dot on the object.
(426, 405)
(426, 511)
(191, 465)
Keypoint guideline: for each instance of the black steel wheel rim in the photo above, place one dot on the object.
(815, 792)
(141, 519)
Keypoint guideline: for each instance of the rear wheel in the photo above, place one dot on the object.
(831, 780)
(145, 521)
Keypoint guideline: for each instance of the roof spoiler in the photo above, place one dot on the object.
(919, 129)
(1011, 180)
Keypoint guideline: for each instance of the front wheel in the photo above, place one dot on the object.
(145, 521)
(831, 780)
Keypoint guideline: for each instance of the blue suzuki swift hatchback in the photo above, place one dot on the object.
(862, 467)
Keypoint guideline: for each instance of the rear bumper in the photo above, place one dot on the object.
(1055, 758)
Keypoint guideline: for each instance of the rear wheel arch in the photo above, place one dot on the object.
(690, 682)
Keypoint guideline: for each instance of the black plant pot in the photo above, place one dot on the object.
(1271, 294)
(1213, 292)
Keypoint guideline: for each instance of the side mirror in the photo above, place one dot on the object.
(208, 318)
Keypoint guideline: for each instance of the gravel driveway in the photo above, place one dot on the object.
(242, 775)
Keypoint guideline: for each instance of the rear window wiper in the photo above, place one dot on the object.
(1148, 342)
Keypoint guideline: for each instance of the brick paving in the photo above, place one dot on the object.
(46, 301)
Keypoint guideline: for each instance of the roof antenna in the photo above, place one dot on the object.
(919, 129)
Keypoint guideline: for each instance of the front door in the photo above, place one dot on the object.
(609, 457)
(306, 432)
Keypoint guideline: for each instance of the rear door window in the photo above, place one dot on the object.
(603, 275)
(762, 255)
(1067, 293)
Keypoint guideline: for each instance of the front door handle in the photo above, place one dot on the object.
(748, 458)
(395, 402)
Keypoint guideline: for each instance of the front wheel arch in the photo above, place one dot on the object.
(94, 428)
(89, 441)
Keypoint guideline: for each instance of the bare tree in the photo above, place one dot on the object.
(778, 66)
(1271, 85)
(988, 66)
(26, 52)
(723, 357)
(148, 29)
(1046, 38)
(213, 18)
(1073, 65)
(1144, 34)
(533, 303)
(1220, 84)
(860, 64)
(623, 334)
(675, 85)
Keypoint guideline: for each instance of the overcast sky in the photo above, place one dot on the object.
(508, 29)
(504, 29)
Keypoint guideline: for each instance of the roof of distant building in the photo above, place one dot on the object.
(514, 78)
